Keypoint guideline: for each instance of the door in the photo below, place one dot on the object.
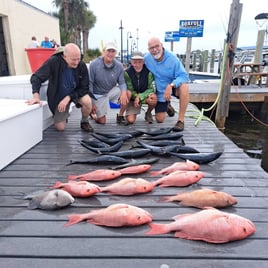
(3, 55)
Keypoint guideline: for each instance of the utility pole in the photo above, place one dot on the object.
(228, 63)
(121, 29)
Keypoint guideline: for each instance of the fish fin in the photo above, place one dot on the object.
(73, 219)
(72, 177)
(164, 199)
(57, 185)
(156, 228)
(154, 173)
(33, 204)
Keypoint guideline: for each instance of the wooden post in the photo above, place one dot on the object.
(188, 53)
(171, 46)
(212, 61)
(228, 62)
(205, 61)
(258, 51)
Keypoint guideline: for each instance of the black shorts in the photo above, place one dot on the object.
(163, 106)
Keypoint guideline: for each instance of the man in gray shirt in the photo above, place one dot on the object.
(107, 84)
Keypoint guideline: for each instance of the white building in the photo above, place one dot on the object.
(20, 21)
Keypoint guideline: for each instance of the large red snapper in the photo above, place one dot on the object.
(129, 186)
(202, 198)
(78, 188)
(187, 165)
(115, 215)
(210, 225)
(96, 175)
(179, 178)
(135, 169)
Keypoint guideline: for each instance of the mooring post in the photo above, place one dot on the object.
(228, 61)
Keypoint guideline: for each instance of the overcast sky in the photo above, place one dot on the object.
(154, 18)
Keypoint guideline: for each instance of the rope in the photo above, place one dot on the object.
(201, 115)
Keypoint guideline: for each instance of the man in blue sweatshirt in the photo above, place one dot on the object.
(171, 79)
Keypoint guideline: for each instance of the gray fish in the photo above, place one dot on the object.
(95, 143)
(50, 200)
(101, 160)
(113, 148)
(131, 153)
(113, 135)
(166, 136)
(167, 142)
(135, 162)
(199, 158)
(110, 141)
(157, 131)
(185, 149)
(157, 149)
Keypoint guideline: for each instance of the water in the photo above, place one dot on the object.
(249, 135)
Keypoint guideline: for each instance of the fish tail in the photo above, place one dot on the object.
(58, 184)
(154, 173)
(157, 228)
(70, 163)
(164, 199)
(71, 177)
(73, 219)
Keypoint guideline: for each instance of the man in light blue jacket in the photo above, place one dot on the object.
(171, 79)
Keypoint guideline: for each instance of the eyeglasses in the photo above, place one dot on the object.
(154, 47)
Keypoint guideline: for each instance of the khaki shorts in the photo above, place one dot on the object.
(61, 116)
(103, 102)
(131, 109)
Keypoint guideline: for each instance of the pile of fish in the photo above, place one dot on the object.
(209, 224)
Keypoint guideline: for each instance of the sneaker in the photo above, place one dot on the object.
(148, 117)
(120, 120)
(86, 127)
(170, 110)
(179, 126)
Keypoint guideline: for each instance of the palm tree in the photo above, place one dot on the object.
(75, 21)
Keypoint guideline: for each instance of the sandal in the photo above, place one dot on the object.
(179, 126)
(170, 110)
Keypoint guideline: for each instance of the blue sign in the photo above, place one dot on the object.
(172, 36)
(191, 28)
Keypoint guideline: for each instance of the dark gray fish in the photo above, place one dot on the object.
(167, 136)
(110, 141)
(199, 158)
(135, 162)
(113, 135)
(100, 160)
(131, 153)
(50, 200)
(157, 149)
(167, 142)
(95, 143)
(185, 149)
(113, 148)
(157, 131)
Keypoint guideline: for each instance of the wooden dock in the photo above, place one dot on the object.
(207, 92)
(37, 238)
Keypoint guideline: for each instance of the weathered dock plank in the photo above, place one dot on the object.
(38, 238)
